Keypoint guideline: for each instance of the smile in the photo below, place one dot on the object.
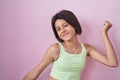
(65, 34)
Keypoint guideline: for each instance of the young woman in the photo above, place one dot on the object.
(68, 55)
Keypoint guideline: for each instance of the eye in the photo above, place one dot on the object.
(65, 25)
(57, 29)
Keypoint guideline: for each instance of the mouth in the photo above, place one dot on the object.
(65, 34)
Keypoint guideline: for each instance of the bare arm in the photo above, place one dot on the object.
(109, 58)
(48, 58)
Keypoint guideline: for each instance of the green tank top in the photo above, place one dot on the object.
(68, 66)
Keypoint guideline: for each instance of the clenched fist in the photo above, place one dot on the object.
(107, 25)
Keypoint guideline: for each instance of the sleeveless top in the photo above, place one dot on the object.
(68, 66)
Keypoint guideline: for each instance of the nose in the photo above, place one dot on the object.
(63, 30)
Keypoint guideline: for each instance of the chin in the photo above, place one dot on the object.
(67, 39)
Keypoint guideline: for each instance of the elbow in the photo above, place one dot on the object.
(114, 65)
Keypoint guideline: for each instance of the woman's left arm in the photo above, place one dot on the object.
(109, 58)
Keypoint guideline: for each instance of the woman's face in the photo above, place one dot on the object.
(65, 31)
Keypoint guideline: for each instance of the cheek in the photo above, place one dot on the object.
(73, 30)
(58, 34)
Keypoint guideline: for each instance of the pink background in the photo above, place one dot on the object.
(26, 33)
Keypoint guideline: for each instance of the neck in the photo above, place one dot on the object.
(72, 44)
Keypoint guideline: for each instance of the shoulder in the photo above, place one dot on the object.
(88, 47)
(54, 47)
(53, 50)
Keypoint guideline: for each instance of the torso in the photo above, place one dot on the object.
(57, 55)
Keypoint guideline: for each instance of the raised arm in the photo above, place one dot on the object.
(109, 58)
(48, 58)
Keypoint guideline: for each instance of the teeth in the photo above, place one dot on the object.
(65, 34)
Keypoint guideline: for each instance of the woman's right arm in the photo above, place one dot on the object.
(50, 55)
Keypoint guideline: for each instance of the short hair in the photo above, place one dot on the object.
(70, 18)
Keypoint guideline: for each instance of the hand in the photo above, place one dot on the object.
(107, 25)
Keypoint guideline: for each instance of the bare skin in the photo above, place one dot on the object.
(71, 45)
